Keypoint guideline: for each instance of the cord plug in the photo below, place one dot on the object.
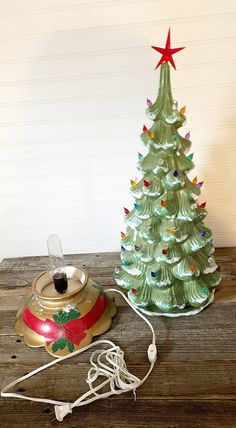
(152, 353)
(62, 411)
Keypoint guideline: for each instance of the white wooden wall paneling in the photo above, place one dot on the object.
(74, 77)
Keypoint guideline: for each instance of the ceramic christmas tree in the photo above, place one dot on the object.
(168, 267)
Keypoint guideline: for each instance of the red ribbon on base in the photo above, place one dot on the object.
(73, 330)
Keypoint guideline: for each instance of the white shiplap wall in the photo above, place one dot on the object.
(74, 77)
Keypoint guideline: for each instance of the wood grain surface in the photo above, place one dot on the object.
(193, 383)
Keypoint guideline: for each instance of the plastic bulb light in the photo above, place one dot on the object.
(145, 128)
(187, 136)
(182, 110)
(149, 103)
(57, 263)
(199, 185)
(153, 274)
(190, 157)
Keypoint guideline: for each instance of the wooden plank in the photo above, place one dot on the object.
(114, 413)
(170, 380)
(210, 336)
(41, 262)
(13, 297)
(21, 271)
(24, 278)
(91, 260)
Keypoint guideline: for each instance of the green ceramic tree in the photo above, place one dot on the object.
(168, 267)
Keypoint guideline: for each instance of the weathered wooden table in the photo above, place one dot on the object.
(193, 383)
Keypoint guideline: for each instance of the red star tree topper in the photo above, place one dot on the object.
(167, 52)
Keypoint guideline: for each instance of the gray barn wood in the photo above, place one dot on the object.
(193, 383)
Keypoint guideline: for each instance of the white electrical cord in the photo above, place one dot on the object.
(108, 363)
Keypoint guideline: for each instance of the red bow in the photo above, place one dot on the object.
(74, 330)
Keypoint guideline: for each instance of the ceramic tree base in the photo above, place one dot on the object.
(63, 323)
(182, 312)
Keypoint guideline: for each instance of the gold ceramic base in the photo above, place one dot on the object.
(63, 323)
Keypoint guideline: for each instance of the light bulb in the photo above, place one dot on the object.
(175, 105)
(57, 263)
